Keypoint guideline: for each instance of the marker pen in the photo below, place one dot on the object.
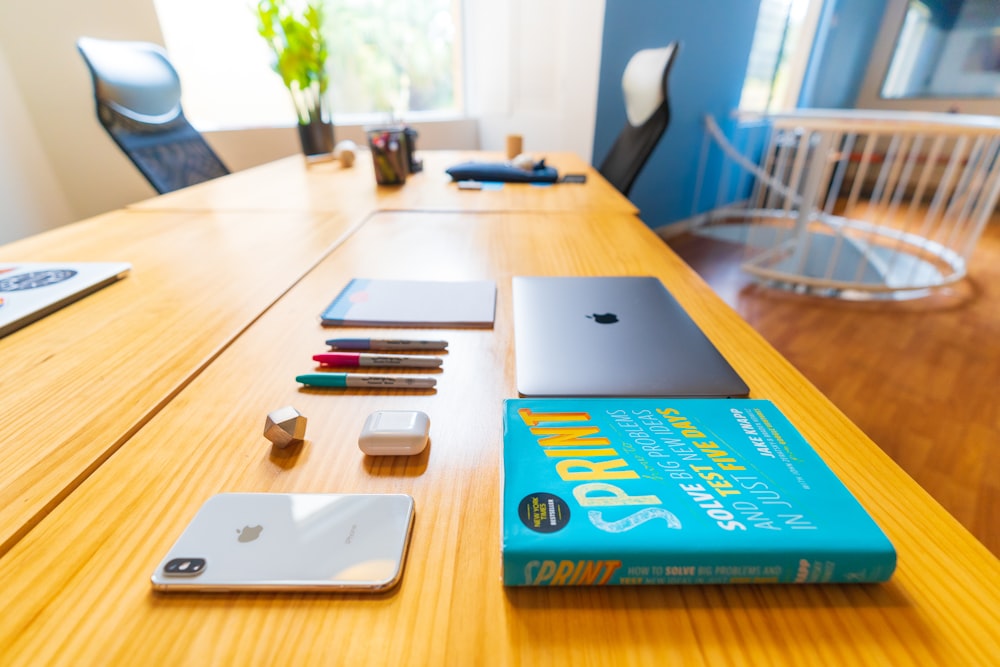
(350, 380)
(385, 344)
(376, 360)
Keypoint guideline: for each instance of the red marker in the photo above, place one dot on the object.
(376, 360)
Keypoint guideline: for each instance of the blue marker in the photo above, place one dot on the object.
(385, 344)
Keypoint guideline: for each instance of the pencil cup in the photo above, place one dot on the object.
(388, 146)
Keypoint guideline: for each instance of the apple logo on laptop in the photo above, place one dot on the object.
(604, 318)
(249, 533)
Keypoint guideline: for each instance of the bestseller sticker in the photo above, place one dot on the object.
(543, 512)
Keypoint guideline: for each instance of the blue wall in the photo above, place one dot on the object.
(706, 78)
(845, 38)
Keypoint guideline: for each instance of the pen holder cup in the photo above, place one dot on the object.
(389, 155)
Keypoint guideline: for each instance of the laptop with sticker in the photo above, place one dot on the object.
(31, 290)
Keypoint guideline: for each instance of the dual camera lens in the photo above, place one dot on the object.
(184, 567)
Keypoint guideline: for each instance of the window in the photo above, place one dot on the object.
(946, 49)
(781, 43)
(904, 60)
(396, 57)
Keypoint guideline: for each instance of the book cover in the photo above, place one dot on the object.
(612, 491)
(415, 303)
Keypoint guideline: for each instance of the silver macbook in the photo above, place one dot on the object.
(612, 336)
(32, 290)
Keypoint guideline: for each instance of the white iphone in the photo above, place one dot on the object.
(291, 542)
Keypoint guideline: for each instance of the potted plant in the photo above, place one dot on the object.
(300, 51)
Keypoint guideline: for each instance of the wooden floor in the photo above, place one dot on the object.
(920, 377)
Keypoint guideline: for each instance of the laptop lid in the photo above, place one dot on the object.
(612, 336)
(32, 290)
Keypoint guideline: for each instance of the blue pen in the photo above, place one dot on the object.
(385, 344)
(352, 380)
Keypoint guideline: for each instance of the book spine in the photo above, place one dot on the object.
(535, 570)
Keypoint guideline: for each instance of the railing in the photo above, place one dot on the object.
(853, 204)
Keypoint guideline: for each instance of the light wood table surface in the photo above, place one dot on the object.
(76, 588)
(292, 184)
(76, 384)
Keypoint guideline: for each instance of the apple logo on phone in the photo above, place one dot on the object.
(249, 533)
(604, 318)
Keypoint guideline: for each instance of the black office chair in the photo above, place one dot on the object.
(647, 110)
(138, 96)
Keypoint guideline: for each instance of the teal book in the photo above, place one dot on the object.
(620, 491)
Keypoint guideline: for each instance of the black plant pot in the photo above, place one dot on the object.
(316, 138)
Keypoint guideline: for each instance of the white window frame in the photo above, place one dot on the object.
(870, 95)
(798, 58)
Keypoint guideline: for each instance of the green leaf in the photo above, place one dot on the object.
(296, 39)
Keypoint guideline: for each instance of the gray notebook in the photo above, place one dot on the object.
(612, 336)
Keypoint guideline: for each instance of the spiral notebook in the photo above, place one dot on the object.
(413, 303)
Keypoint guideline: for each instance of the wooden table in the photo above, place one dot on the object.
(292, 184)
(208, 260)
(76, 587)
(77, 384)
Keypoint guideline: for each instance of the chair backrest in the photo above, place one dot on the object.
(647, 110)
(138, 95)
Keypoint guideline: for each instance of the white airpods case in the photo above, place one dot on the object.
(394, 433)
